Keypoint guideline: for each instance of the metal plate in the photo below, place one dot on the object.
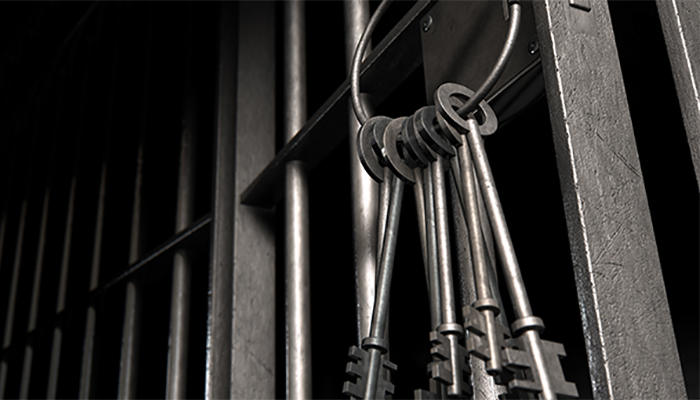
(461, 42)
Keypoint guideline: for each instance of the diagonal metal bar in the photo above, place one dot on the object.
(616, 265)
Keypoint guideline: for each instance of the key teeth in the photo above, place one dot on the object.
(356, 353)
(352, 390)
(353, 369)
(390, 365)
(520, 360)
(521, 384)
(420, 394)
(441, 371)
(478, 347)
(440, 347)
(473, 320)
(358, 368)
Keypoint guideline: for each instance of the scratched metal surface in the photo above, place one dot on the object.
(680, 21)
(629, 337)
(253, 334)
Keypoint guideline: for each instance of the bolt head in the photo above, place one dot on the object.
(533, 47)
(427, 22)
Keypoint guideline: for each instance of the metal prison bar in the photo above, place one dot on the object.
(143, 242)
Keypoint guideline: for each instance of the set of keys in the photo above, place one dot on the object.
(423, 150)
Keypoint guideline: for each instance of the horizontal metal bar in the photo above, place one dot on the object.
(399, 53)
(181, 240)
(187, 239)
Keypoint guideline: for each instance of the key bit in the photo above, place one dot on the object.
(477, 342)
(448, 356)
(518, 359)
(359, 369)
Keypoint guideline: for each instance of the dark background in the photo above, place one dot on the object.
(85, 82)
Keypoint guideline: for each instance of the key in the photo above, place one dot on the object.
(410, 170)
(545, 368)
(450, 366)
(358, 368)
(490, 348)
(367, 363)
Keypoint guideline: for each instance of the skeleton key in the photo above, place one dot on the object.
(410, 169)
(367, 362)
(451, 364)
(490, 349)
(527, 327)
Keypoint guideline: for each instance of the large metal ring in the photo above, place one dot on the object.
(392, 141)
(366, 151)
(424, 123)
(488, 123)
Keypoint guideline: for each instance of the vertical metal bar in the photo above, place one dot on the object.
(128, 372)
(86, 387)
(52, 385)
(3, 377)
(7, 337)
(680, 21)
(39, 262)
(90, 322)
(3, 228)
(34, 306)
(616, 265)
(253, 359)
(364, 190)
(296, 209)
(219, 324)
(176, 381)
(128, 367)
